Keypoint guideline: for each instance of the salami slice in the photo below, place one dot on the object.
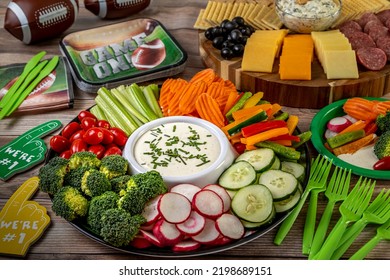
(373, 59)
(384, 44)
(372, 24)
(377, 32)
(384, 15)
(359, 40)
(366, 17)
(350, 24)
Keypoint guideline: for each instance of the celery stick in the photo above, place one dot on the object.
(139, 100)
(152, 101)
(156, 90)
(98, 112)
(102, 104)
(116, 111)
(118, 93)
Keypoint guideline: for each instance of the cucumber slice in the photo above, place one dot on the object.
(288, 203)
(237, 175)
(276, 164)
(251, 225)
(261, 159)
(296, 169)
(253, 203)
(281, 183)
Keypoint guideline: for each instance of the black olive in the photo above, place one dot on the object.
(244, 39)
(217, 42)
(227, 44)
(209, 33)
(245, 31)
(217, 31)
(229, 26)
(239, 20)
(238, 49)
(224, 22)
(227, 53)
(236, 35)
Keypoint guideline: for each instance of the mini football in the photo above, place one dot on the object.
(34, 21)
(111, 9)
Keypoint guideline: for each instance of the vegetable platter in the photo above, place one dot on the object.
(319, 127)
(237, 113)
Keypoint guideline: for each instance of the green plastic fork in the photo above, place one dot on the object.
(351, 210)
(319, 172)
(336, 191)
(382, 233)
(378, 212)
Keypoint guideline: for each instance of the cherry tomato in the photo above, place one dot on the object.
(78, 145)
(98, 150)
(104, 124)
(383, 164)
(59, 143)
(239, 147)
(77, 135)
(120, 137)
(84, 114)
(70, 129)
(87, 123)
(66, 154)
(113, 151)
(108, 137)
(93, 136)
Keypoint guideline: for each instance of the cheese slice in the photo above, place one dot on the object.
(259, 57)
(341, 65)
(295, 67)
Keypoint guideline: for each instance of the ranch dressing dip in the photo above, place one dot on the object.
(312, 9)
(177, 149)
(364, 158)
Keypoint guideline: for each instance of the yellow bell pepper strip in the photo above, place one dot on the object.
(244, 112)
(292, 123)
(254, 100)
(265, 135)
(262, 126)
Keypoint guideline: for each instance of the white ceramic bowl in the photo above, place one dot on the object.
(305, 18)
(210, 175)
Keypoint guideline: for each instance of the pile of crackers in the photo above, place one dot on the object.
(260, 14)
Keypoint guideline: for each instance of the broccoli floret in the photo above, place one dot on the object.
(51, 176)
(382, 145)
(73, 177)
(94, 183)
(119, 227)
(114, 166)
(119, 184)
(383, 122)
(98, 205)
(85, 158)
(69, 203)
(140, 189)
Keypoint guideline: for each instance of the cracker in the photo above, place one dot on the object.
(272, 20)
(200, 23)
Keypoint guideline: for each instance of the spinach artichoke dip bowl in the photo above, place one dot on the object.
(305, 16)
(182, 149)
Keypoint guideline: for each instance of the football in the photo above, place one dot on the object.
(35, 21)
(112, 9)
(149, 55)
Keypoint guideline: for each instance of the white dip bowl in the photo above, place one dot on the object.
(208, 160)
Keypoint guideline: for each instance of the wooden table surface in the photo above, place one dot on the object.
(63, 241)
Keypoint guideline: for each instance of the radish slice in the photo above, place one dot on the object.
(193, 225)
(338, 124)
(167, 233)
(186, 245)
(222, 193)
(188, 190)
(140, 242)
(223, 240)
(209, 235)
(175, 208)
(351, 119)
(150, 211)
(151, 238)
(230, 226)
(329, 134)
(208, 203)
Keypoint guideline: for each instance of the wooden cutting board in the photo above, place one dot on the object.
(313, 94)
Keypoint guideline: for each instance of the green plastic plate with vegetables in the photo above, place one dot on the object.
(318, 128)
